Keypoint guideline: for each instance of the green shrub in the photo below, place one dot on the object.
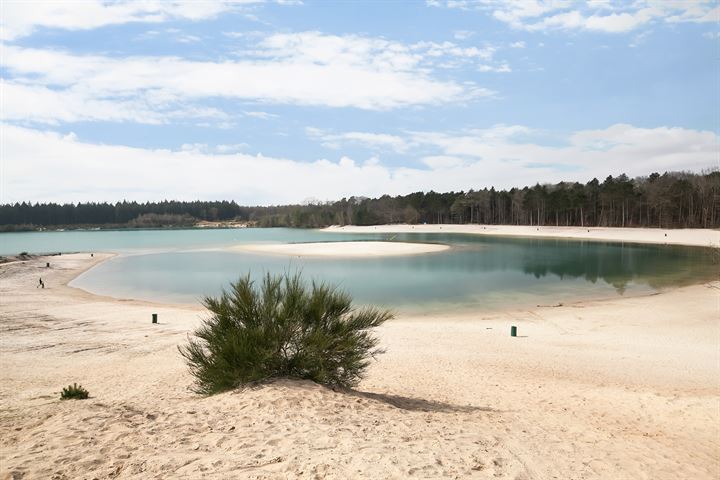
(281, 328)
(74, 391)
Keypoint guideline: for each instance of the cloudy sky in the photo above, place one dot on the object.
(269, 102)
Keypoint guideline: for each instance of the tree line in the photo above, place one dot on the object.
(670, 200)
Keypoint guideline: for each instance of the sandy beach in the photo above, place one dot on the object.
(686, 236)
(618, 389)
(342, 249)
(289, 240)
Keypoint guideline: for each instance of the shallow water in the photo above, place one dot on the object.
(478, 272)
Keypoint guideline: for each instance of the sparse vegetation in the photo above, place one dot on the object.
(281, 328)
(74, 392)
(160, 220)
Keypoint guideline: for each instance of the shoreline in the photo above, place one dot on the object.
(207, 225)
(461, 314)
(688, 237)
(82, 293)
(435, 310)
(616, 388)
(439, 311)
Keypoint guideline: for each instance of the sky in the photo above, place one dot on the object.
(282, 101)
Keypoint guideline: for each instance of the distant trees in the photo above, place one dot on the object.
(155, 220)
(120, 213)
(669, 200)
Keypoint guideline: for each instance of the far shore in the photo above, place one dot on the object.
(620, 388)
(697, 237)
(342, 249)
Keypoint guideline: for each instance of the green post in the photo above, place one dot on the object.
(513, 331)
(154, 317)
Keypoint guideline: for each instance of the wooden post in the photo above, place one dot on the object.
(154, 317)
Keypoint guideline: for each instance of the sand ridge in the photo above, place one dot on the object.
(626, 388)
(699, 237)
(343, 249)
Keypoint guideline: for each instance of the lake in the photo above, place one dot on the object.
(478, 272)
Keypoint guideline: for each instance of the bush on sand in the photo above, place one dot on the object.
(281, 328)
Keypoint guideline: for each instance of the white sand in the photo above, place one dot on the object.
(621, 389)
(687, 236)
(342, 249)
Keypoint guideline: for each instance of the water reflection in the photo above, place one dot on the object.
(487, 272)
(619, 265)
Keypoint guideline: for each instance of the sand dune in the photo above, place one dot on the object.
(686, 236)
(619, 389)
(343, 249)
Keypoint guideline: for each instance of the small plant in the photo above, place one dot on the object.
(23, 254)
(75, 392)
(282, 328)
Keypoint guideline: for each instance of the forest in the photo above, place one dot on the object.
(669, 200)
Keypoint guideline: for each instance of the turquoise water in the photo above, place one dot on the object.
(478, 272)
(151, 240)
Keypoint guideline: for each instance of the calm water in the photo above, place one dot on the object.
(477, 272)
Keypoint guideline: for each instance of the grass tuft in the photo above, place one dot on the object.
(74, 392)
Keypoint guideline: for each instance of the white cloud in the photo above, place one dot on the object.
(640, 38)
(36, 103)
(515, 12)
(65, 168)
(194, 147)
(375, 52)
(463, 34)
(493, 134)
(449, 49)
(502, 68)
(614, 22)
(260, 115)
(617, 149)
(519, 44)
(228, 148)
(376, 141)
(592, 15)
(205, 148)
(21, 17)
(707, 11)
(443, 162)
(301, 69)
(188, 39)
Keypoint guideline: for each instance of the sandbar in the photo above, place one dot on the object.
(343, 249)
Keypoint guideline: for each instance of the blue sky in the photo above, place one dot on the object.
(286, 101)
